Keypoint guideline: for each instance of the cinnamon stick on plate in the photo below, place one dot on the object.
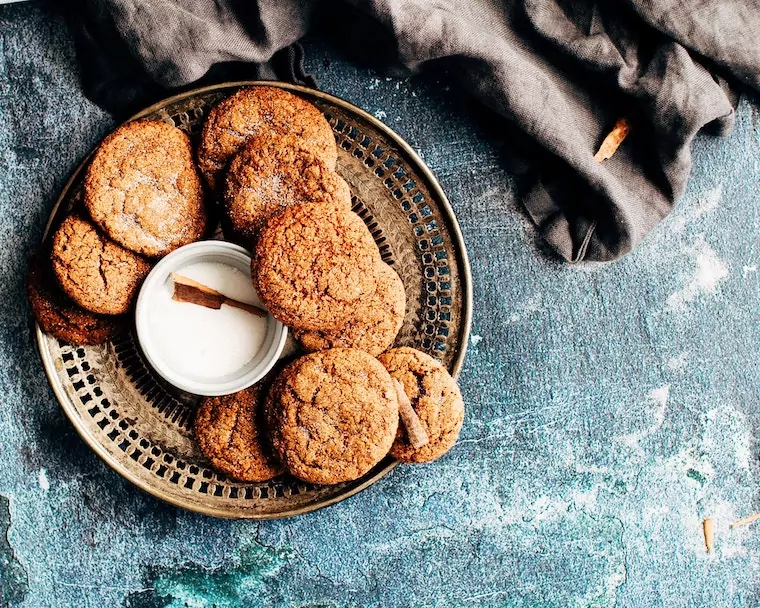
(417, 434)
(188, 290)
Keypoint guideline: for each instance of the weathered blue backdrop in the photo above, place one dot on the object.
(610, 408)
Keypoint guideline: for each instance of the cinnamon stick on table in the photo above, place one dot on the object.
(746, 520)
(188, 290)
(417, 434)
(708, 528)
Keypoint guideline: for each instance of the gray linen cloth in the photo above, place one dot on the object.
(561, 72)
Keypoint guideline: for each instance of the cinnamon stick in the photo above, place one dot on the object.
(613, 140)
(708, 528)
(417, 434)
(745, 520)
(188, 290)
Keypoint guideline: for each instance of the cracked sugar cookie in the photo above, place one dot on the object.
(272, 173)
(230, 434)
(59, 316)
(252, 110)
(99, 275)
(143, 190)
(435, 398)
(315, 265)
(332, 415)
(375, 325)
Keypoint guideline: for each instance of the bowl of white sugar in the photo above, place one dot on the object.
(200, 322)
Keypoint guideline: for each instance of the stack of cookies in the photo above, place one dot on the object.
(142, 199)
(330, 416)
(317, 269)
(316, 266)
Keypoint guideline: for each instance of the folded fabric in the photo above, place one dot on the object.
(561, 71)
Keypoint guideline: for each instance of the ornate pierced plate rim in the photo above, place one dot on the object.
(465, 284)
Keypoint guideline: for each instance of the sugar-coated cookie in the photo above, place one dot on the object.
(436, 400)
(143, 190)
(253, 110)
(332, 415)
(272, 173)
(314, 266)
(95, 272)
(230, 433)
(59, 316)
(375, 324)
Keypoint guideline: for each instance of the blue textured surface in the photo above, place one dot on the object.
(609, 408)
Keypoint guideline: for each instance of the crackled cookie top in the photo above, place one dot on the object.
(143, 190)
(96, 273)
(375, 324)
(436, 400)
(332, 415)
(230, 433)
(250, 111)
(59, 316)
(314, 264)
(272, 173)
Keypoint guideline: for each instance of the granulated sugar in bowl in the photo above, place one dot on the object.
(202, 350)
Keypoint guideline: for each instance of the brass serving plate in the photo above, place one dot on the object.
(142, 428)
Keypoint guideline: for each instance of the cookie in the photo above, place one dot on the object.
(376, 324)
(332, 415)
(314, 265)
(95, 273)
(59, 316)
(143, 190)
(230, 433)
(270, 174)
(253, 110)
(436, 400)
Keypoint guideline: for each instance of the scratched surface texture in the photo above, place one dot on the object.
(610, 408)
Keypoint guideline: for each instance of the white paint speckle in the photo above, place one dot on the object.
(42, 479)
(742, 451)
(660, 396)
(710, 271)
(678, 363)
(490, 192)
(522, 312)
(749, 269)
(591, 468)
(710, 200)
(590, 267)
(727, 436)
(586, 499)
(657, 402)
(475, 339)
(545, 508)
(687, 213)
(380, 115)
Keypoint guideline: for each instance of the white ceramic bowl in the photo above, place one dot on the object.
(254, 370)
